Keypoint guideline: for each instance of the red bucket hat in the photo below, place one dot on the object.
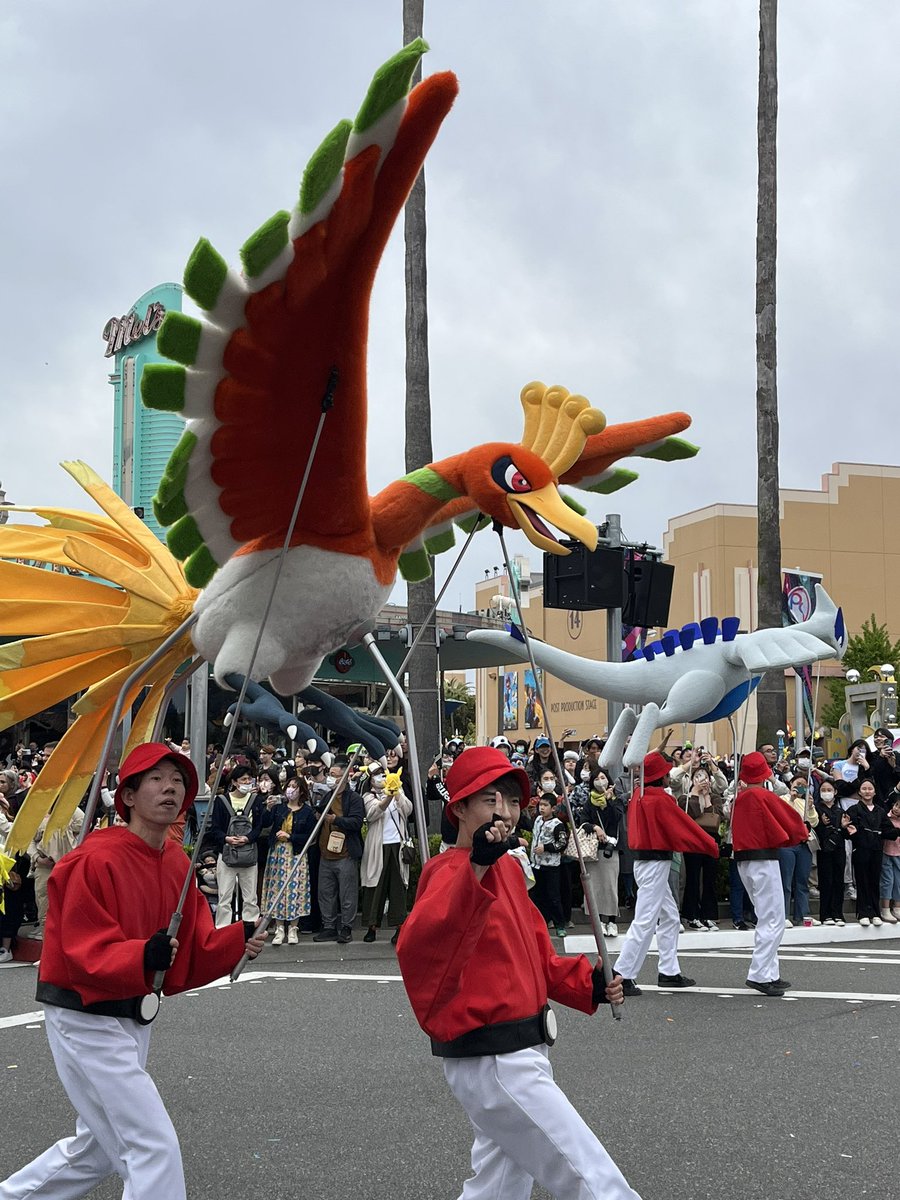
(475, 769)
(754, 768)
(142, 758)
(655, 767)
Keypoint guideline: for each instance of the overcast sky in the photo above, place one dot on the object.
(592, 207)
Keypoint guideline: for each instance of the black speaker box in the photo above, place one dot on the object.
(584, 580)
(649, 592)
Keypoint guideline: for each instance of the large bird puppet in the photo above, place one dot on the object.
(280, 342)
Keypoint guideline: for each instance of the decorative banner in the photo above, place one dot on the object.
(510, 700)
(534, 714)
(798, 603)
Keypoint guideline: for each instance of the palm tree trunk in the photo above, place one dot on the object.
(423, 669)
(771, 700)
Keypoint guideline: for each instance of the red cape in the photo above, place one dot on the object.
(655, 822)
(763, 821)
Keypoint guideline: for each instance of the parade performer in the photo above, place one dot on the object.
(110, 900)
(761, 825)
(657, 827)
(478, 966)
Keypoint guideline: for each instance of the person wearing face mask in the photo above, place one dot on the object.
(285, 892)
(700, 906)
(884, 767)
(890, 869)
(540, 761)
(341, 848)
(830, 856)
(598, 810)
(867, 826)
(269, 786)
(795, 861)
(383, 874)
(237, 818)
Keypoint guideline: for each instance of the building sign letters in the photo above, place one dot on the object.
(122, 331)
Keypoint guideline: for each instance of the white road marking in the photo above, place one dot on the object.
(793, 994)
(806, 958)
(21, 1019)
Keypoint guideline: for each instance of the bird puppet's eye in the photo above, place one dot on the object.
(507, 475)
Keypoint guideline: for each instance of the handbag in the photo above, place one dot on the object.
(589, 843)
(407, 845)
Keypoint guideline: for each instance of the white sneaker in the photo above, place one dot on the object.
(604, 928)
(829, 920)
(696, 925)
(712, 926)
(279, 936)
(864, 921)
(841, 923)
(814, 921)
(888, 917)
(788, 923)
(613, 929)
(877, 921)
(681, 926)
(5, 957)
(293, 936)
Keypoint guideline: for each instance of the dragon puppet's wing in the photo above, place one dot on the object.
(101, 597)
(653, 437)
(286, 336)
(823, 635)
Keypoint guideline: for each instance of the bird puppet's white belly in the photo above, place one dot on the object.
(322, 599)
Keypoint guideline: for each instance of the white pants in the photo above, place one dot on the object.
(122, 1127)
(655, 903)
(226, 878)
(762, 879)
(526, 1129)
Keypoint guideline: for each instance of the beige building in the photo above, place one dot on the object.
(843, 532)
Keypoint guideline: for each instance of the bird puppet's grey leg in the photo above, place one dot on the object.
(611, 754)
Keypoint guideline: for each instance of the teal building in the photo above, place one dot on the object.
(143, 438)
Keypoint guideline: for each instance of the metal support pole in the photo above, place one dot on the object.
(613, 623)
(171, 688)
(799, 715)
(605, 966)
(412, 756)
(198, 701)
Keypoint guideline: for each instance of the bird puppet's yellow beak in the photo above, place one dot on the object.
(536, 511)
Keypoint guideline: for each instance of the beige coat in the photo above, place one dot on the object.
(372, 859)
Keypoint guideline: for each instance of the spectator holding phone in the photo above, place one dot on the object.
(868, 826)
(884, 768)
(830, 856)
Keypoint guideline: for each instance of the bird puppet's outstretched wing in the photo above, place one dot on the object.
(102, 595)
(283, 334)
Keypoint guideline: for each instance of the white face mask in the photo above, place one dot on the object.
(292, 793)
(265, 785)
(378, 783)
(826, 796)
(244, 788)
(585, 775)
(331, 783)
(548, 785)
(803, 762)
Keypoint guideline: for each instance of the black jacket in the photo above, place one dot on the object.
(302, 825)
(221, 818)
(872, 828)
(831, 836)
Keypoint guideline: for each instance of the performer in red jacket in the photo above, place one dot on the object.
(657, 827)
(110, 901)
(762, 824)
(479, 967)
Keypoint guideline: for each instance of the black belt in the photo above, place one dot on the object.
(142, 1009)
(503, 1038)
(653, 855)
(754, 855)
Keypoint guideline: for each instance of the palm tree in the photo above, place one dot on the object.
(771, 699)
(423, 669)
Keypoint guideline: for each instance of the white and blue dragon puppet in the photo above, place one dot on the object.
(703, 672)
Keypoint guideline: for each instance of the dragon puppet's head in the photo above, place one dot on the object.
(516, 483)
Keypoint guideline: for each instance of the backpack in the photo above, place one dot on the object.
(239, 825)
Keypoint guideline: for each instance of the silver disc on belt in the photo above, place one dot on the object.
(550, 1025)
(148, 1008)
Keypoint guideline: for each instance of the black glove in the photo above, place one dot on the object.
(485, 853)
(598, 992)
(158, 952)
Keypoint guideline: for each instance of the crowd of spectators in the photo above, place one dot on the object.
(259, 852)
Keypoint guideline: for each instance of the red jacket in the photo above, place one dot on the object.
(106, 898)
(656, 822)
(763, 821)
(476, 953)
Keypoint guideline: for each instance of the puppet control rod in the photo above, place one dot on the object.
(605, 967)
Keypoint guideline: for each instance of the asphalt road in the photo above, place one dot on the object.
(304, 1080)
